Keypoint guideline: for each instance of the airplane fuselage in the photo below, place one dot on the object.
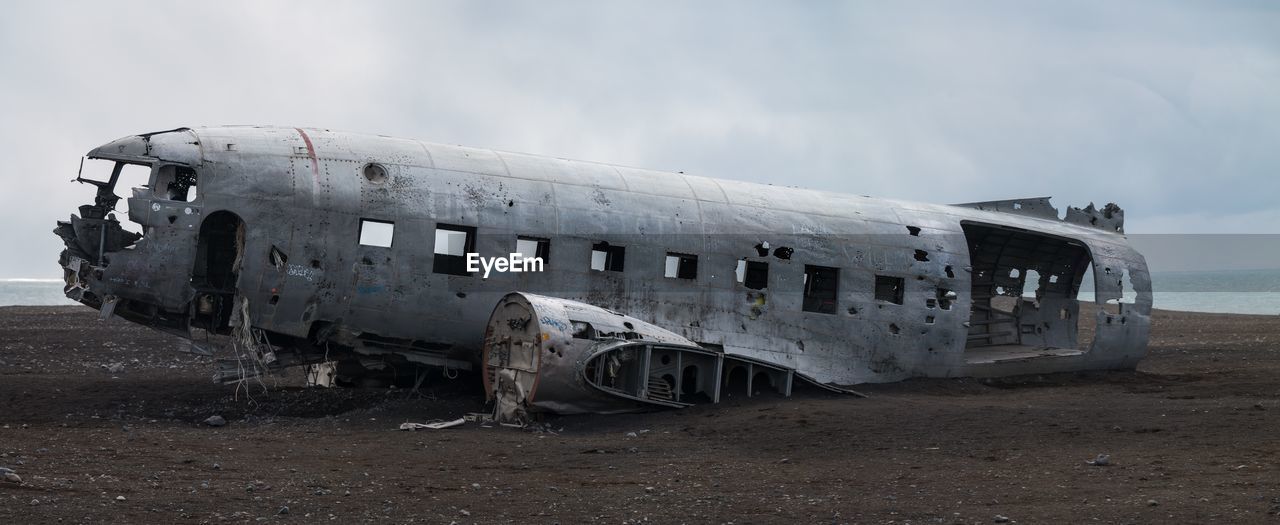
(841, 288)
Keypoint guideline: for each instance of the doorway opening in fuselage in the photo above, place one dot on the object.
(1024, 288)
(217, 270)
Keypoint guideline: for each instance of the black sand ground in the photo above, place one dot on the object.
(1193, 437)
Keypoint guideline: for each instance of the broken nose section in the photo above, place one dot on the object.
(103, 259)
(88, 238)
(546, 354)
(94, 233)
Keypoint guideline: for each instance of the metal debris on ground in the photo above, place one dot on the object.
(480, 417)
(434, 425)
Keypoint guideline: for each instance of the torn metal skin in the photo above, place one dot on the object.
(732, 279)
(558, 355)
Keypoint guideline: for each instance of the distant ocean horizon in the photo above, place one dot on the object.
(32, 292)
(1213, 291)
(1216, 291)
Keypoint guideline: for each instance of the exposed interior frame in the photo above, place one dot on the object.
(677, 376)
(1002, 315)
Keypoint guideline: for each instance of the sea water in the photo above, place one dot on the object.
(1228, 291)
(1221, 291)
(32, 292)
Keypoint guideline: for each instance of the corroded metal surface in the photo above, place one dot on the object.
(854, 289)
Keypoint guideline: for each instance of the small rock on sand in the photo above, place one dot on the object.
(215, 421)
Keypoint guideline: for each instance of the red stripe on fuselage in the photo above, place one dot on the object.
(311, 154)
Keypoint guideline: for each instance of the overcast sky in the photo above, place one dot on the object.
(1170, 109)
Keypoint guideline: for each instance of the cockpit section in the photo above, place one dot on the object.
(97, 231)
(111, 255)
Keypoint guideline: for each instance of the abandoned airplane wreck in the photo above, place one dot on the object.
(348, 254)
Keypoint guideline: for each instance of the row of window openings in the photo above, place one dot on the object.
(453, 243)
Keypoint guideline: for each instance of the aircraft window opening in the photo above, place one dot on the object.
(752, 274)
(175, 183)
(821, 285)
(376, 233)
(681, 266)
(534, 247)
(116, 176)
(453, 243)
(890, 289)
(945, 297)
(114, 181)
(606, 257)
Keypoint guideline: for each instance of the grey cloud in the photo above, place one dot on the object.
(1167, 108)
